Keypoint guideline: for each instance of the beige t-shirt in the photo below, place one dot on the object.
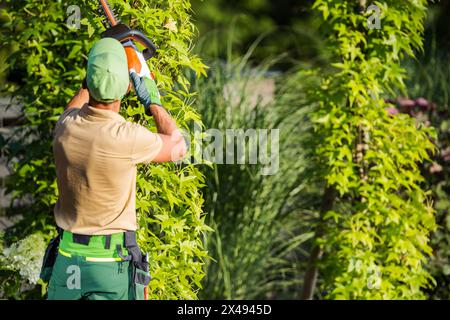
(96, 152)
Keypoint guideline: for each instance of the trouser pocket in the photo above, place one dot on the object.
(140, 278)
(49, 259)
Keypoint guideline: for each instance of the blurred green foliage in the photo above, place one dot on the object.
(375, 232)
(375, 237)
(25, 257)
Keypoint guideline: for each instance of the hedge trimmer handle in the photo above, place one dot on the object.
(136, 61)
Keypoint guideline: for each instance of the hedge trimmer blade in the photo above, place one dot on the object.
(124, 33)
(109, 13)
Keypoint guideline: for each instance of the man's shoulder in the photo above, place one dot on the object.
(67, 115)
(129, 126)
(127, 129)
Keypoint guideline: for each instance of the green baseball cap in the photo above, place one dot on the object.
(107, 71)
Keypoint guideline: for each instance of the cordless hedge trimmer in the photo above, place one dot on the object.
(129, 37)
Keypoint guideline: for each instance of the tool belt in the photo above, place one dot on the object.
(138, 261)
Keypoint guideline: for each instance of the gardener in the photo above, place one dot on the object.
(96, 152)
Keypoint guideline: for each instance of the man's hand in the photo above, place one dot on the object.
(146, 91)
(80, 99)
(174, 146)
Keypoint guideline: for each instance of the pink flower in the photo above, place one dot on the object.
(422, 102)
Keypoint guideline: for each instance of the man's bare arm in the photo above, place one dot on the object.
(79, 99)
(173, 146)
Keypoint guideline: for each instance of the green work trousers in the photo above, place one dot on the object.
(74, 278)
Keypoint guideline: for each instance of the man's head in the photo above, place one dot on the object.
(107, 76)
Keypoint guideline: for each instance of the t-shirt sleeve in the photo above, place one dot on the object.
(67, 113)
(146, 147)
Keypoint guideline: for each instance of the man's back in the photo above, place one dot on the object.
(96, 152)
